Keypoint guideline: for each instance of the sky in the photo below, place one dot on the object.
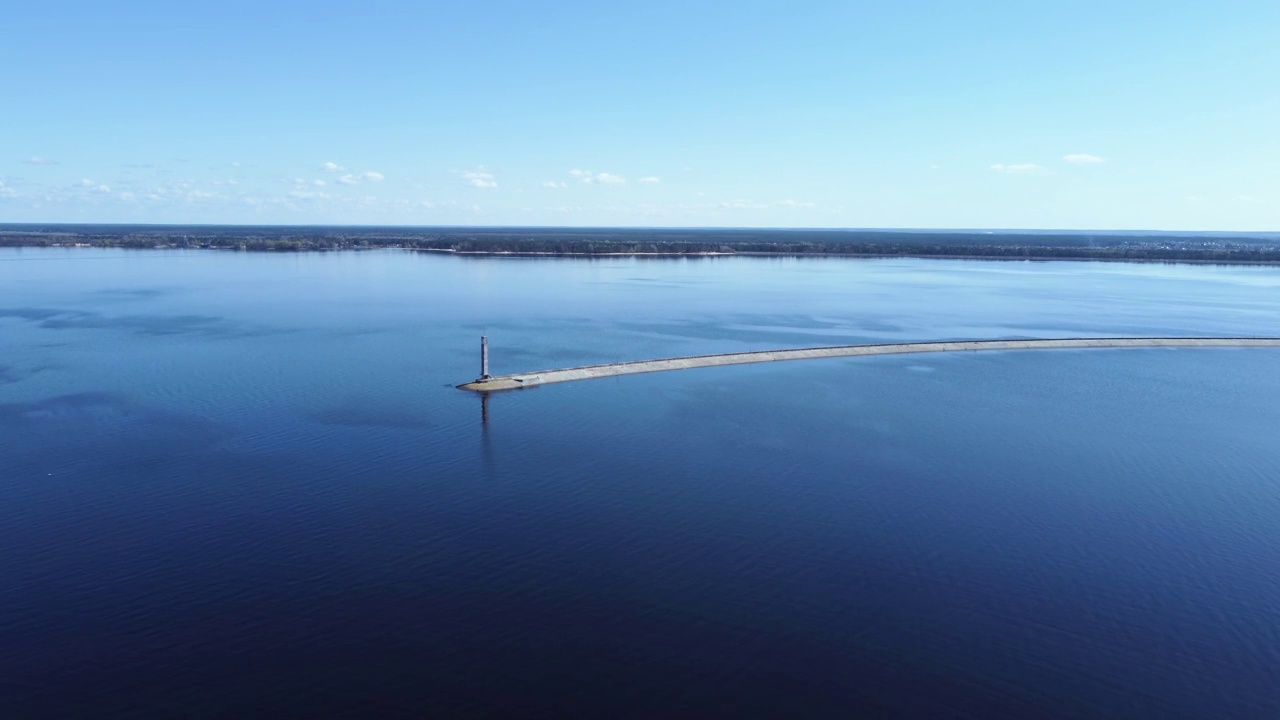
(1077, 114)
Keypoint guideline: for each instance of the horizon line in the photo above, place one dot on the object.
(1007, 230)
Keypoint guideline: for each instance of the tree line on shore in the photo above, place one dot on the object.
(964, 245)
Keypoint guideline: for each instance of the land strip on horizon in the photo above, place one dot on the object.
(1210, 247)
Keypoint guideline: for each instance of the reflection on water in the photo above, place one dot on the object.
(233, 481)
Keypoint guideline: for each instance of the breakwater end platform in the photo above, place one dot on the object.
(495, 383)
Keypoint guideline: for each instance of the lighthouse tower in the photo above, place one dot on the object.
(484, 357)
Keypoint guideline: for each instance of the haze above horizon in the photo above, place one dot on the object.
(1082, 115)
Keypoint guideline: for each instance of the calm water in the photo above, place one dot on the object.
(235, 484)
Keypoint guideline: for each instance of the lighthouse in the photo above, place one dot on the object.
(484, 357)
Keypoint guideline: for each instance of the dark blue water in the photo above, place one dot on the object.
(236, 484)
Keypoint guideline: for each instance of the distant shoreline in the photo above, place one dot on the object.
(1006, 257)
(855, 256)
(1111, 246)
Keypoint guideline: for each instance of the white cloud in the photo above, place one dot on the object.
(127, 196)
(794, 204)
(7, 192)
(307, 195)
(37, 160)
(555, 185)
(1016, 169)
(1083, 159)
(480, 178)
(94, 186)
(332, 167)
(318, 183)
(650, 180)
(589, 178)
(356, 179)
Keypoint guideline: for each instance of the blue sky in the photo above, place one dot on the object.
(1074, 114)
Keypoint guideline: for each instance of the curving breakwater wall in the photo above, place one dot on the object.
(544, 377)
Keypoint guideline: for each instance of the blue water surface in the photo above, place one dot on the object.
(238, 484)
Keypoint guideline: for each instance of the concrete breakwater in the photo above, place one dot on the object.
(544, 377)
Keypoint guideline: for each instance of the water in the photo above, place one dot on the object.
(240, 484)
